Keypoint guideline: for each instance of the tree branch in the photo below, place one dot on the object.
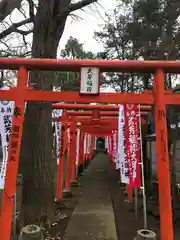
(23, 32)
(7, 6)
(76, 6)
(14, 28)
(16, 4)
(31, 9)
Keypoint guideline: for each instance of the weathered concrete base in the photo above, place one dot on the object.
(31, 232)
(145, 234)
(129, 205)
(60, 204)
(74, 183)
(67, 193)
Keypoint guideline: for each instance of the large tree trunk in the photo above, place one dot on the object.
(36, 162)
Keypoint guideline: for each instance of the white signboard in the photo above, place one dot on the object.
(89, 80)
(6, 113)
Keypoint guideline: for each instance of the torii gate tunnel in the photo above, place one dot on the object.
(159, 97)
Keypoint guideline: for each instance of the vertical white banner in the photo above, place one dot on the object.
(85, 143)
(115, 149)
(106, 143)
(77, 147)
(58, 113)
(121, 157)
(6, 113)
(110, 143)
(95, 140)
(89, 144)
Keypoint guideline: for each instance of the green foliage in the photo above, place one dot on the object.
(146, 28)
(70, 81)
(67, 81)
(154, 28)
(75, 50)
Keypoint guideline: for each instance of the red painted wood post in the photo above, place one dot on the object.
(70, 160)
(13, 158)
(82, 151)
(129, 192)
(91, 144)
(74, 143)
(86, 151)
(163, 168)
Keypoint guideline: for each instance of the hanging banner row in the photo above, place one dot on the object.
(124, 145)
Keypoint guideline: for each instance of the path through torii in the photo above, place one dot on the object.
(158, 97)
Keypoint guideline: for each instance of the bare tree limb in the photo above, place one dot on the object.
(14, 28)
(76, 6)
(31, 9)
(9, 50)
(23, 32)
(7, 6)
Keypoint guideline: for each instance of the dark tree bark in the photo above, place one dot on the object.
(36, 162)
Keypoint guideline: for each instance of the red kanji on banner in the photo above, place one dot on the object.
(132, 144)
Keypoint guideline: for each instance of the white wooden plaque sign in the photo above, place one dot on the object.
(89, 80)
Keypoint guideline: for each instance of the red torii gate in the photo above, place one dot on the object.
(92, 110)
(98, 107)
(101, 113)
(159, 97)
(104, 122)
(100, 128)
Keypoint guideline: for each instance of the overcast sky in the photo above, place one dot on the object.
(84, 29)
(89, 20)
